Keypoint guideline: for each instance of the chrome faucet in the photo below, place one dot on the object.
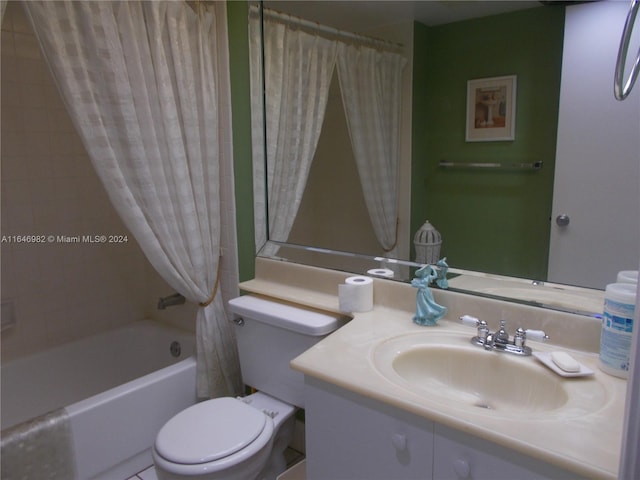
(489, 342)
(499, 340)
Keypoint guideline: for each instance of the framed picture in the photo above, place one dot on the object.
(491, 109)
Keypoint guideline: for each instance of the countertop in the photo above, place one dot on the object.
(587, 443)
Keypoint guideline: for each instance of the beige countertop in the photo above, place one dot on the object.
(585, 440)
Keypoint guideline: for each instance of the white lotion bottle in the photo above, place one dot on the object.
(617, 328)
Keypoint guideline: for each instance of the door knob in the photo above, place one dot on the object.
(462, 468)
(399, 441)
(562, 220)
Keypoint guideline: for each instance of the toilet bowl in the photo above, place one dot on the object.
(245, 438)
(225, 438)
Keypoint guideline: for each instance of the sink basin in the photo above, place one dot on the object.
(486, 380)
(447, 369)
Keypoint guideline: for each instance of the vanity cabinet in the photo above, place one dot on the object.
(349, 436)
(352, 437)
(462, 456)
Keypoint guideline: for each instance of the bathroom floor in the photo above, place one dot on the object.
(149, 473)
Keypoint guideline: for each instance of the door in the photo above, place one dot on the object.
(597, 178)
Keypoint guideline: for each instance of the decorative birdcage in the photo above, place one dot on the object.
(427, 242)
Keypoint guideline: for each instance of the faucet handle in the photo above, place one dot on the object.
(481, 325)
(469, 321)
(537, 335)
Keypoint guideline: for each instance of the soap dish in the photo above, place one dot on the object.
(545, 358)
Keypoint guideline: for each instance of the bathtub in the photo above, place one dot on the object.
(117, 389)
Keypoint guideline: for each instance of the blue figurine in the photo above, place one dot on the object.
(441, 281)
(428, 312)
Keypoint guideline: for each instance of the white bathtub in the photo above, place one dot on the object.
(118, 388)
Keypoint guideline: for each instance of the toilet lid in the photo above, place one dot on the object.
(209, 431)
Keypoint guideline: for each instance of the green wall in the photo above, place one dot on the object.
(493, 221)
(240, 101)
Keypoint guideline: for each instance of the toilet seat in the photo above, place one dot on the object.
(213, 430)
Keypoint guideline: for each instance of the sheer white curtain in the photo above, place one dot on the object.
(298, 70)
(371, 86)
(142, 82)
(256, 85)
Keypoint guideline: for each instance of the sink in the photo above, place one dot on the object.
(483, 379)
(447, 369)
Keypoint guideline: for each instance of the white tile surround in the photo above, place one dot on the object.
(60, 291)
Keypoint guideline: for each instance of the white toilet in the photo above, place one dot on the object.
(245, 438)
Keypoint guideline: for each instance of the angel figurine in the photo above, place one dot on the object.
(428, 312)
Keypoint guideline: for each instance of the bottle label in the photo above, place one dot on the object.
(617, 328)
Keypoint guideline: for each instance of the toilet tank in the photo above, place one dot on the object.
(270, 335)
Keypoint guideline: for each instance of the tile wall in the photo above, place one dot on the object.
(62, 291)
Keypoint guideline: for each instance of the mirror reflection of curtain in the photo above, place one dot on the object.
(146, 84)
(371, 82)
(298, 67)
(256, 84)
(298, 70)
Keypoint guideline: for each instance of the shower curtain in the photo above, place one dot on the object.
(371, 86)
(297, 75)
(145, 85)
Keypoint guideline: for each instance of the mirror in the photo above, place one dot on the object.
(504, 245)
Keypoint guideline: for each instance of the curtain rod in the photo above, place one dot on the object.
(377, 42)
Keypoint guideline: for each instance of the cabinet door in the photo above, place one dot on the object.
(352, 437)
(458, 456)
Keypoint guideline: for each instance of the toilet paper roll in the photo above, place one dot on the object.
(627, 276)
(381, 272)
(356, 294)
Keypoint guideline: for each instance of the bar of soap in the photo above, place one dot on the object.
(565, 362)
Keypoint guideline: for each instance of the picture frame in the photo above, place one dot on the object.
(491, 109)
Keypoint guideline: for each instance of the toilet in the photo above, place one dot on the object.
(245, 438)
